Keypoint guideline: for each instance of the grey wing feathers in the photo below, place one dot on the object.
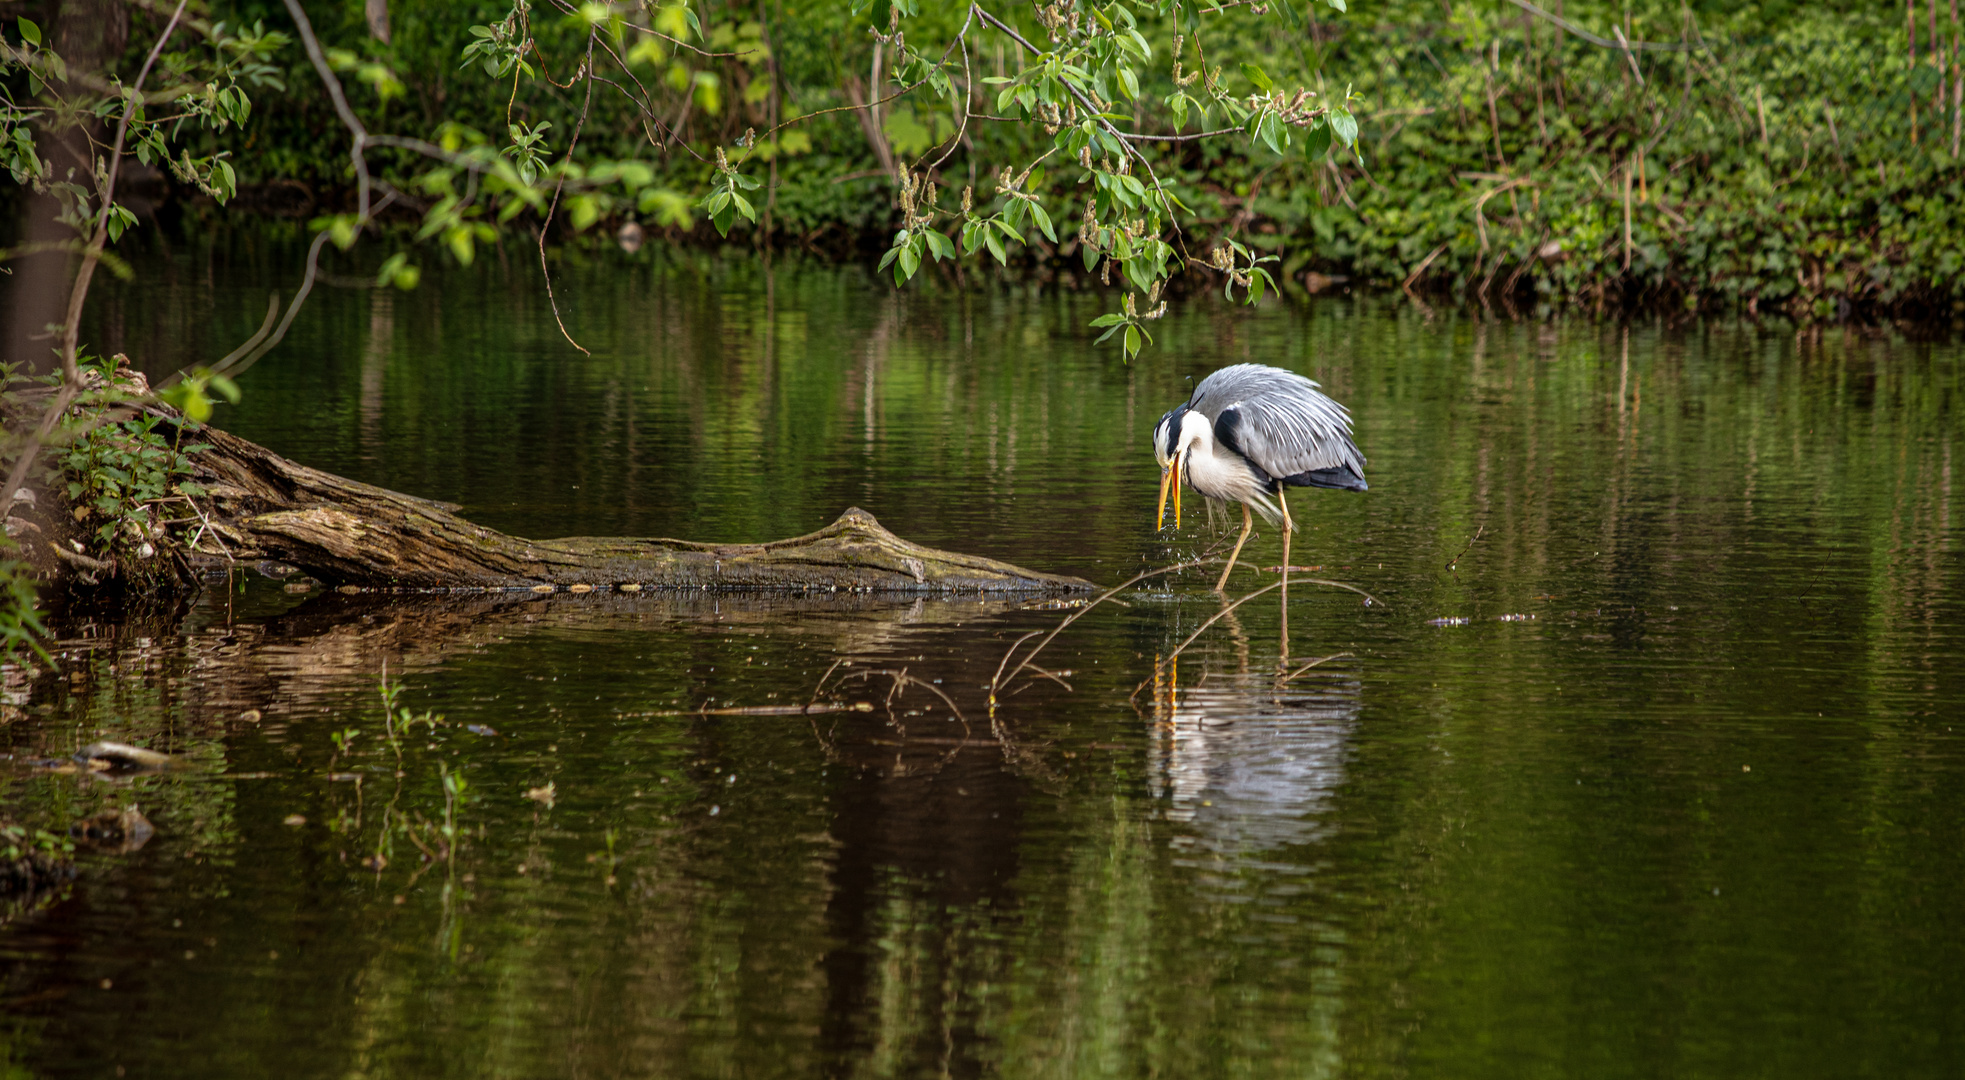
(1286, 425)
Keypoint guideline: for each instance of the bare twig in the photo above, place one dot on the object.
(1267, 588)
(961, 39)
(1048, 674)
(1314, 663)
(821, 685)
(999, 681)
(759, 710)
(1217, 617)
(1653, 46)
(545, 271)
(1406, 285)
(1455, 561)
(357, 153)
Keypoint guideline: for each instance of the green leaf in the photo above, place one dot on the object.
(1259, 77)
(1043, 222)
(1112, 319)
(1132, 342)
(1343, 125)
(460, 241)
(1337, 5)
(390, 268)
(910, 260)
(939, 245)
(1270, 131)
(30, 31)
(995, 244)
(1129, 83)
(1317, 142)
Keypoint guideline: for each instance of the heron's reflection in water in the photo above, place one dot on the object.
(1247, 767)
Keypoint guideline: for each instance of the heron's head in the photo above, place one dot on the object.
(1164, 434)
(1174, 437)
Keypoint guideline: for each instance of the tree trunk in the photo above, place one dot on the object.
(262, 506)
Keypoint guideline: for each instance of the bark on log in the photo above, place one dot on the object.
(349, 533)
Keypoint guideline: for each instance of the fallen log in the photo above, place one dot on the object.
(260, 505)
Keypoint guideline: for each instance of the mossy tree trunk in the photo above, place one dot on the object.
(263, 506)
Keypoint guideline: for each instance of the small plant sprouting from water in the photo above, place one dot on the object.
(612, 860)
(397, 720)
(437, 832)
(456, 793)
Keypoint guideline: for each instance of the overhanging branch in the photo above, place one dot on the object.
(1620, 46)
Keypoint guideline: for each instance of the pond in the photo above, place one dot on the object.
(1643, 763)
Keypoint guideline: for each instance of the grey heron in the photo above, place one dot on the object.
(1247, 432)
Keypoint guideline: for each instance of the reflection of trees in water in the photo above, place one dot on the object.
(1788, 492)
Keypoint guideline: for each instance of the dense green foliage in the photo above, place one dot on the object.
(1786, 157)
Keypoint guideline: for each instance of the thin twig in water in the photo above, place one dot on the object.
(1314, 663)
(999, 681)
(760, 710)
(1215, 618)
(1051, 675)
(902, 680)
(1455, 561)
(821, 685)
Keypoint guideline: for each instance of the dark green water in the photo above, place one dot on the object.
(1698, 811)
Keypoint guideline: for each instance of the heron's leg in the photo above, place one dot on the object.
(1289, 526)
(1248, 523)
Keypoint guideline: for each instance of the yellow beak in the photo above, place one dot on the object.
(1160, 518)
(1169, 479)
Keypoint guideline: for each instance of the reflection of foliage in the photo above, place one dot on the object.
(19, 842)
(20, 619)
